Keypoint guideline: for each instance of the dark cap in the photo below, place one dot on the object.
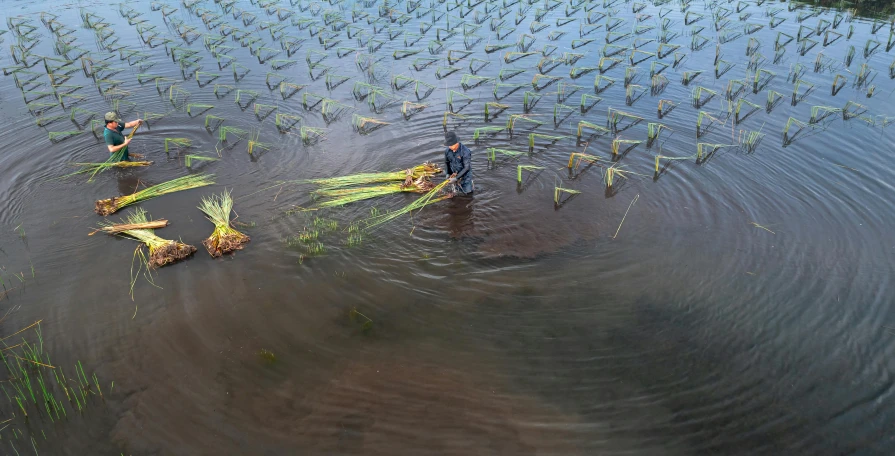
(450, 138)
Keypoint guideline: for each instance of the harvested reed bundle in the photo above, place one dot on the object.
(93, 168)
(120, 227)
(407, 175)
(224, 238)
(421, 202)
(112, 205)
(343, 196)
(161, 251)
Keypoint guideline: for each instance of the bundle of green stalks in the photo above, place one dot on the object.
(343, 196)
(161, 251)
(95, 168)
(224, 238)
(112, 205)
(421, 202)
(407, 175)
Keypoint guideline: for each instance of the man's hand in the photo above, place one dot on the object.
(452, 180)
(139, 121)
(126, 141)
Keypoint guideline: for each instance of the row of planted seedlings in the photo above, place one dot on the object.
(471, 80)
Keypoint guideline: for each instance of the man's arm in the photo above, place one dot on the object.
(133, 123)
(447, 164)
(113, 149)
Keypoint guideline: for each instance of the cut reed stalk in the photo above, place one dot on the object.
(112, 205)
(161, 251)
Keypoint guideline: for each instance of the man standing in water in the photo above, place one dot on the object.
(458, 165)
(113, 136)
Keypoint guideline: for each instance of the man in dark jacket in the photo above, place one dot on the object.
(458, 164)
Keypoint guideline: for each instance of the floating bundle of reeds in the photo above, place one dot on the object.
(161, 251)
(112, 205)
(224, 238)
(94, 168)
(407, 175)
(429, 198)
(343, 196)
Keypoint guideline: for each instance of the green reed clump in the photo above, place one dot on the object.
(178, 142)
(559, 190)
(310, 135)
(189, 158)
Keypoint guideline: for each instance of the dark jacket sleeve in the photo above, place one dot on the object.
(466, 159)
(447, 163)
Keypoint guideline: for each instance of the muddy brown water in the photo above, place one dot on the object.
(501, 324)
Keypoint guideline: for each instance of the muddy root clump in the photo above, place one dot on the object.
(106, 207)
(171, 252)
(219, 245)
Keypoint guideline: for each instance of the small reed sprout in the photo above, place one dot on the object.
(225, 130)
(365, 125)
(550, 138)
(253, 143)
(198, 107)
(311, 135)
(529, 168)
(704, 150)
(596, 129)
(576, 158)
(819, 113)
(493, 151)
(189, 158)
(557, 191)
(628, 143)
(615, 117)
(749, 140)
(740, 114)
(177, 142)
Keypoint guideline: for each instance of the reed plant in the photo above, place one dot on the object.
(557, 191)
(178, 142)
(705, 150)
(749, 140)
(576, 158)
(740, 114)
(189, 158)
(615, 117)
(628, 145)
(254, 144)
(529, 168)
(112, 205)
(285, 122)
(493, 108)
(493, 151)
(235, 131)
(365, 125)
(550, 138)
(224, 239)
(311, 135)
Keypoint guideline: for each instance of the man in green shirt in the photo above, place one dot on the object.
(113, 136)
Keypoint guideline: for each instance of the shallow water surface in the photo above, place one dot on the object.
(735, 303)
